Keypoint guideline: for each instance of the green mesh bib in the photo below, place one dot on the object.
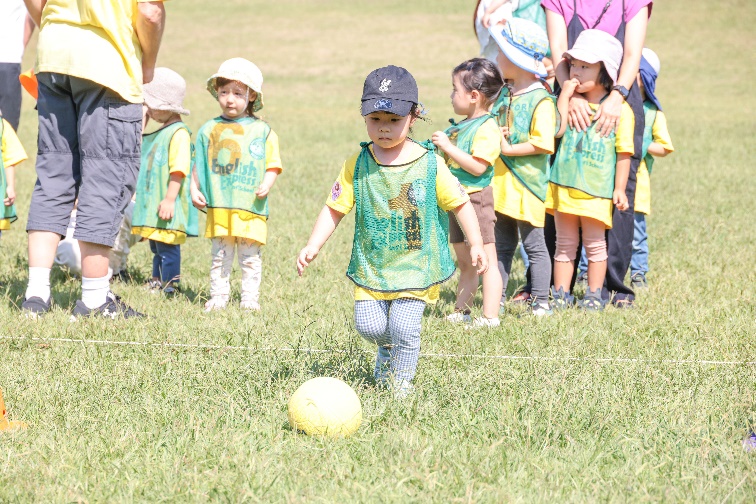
(7, 212)
(462, 135)
(152, 186)
(532, 171)
(230, 162)
(586, 161)
(400, 233)
(649, 111)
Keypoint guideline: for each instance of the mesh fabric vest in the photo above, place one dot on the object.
(462, 135)
(532, 171)
(649, 111)
(235, 164)
(152, 186)
(400, 233)
(8, 212)
(586, 161)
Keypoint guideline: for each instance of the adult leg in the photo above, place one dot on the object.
(506, 244)
(250, 261)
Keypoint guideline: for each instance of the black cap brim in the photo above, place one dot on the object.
(392, 106)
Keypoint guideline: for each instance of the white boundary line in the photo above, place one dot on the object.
(623, 360)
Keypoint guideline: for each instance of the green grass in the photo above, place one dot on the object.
(149, 423)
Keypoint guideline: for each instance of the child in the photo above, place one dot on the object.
(527, 113)
(470, 149)
(589, 172)
(656, 143)
(163, 212)
(11, 154)
(400, 255)
(237, 162)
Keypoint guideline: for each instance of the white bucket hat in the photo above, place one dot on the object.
(652, 59)
(524, 43)
(241, 70)
(166, 91)
(593, 46)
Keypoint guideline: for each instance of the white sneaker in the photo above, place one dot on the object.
(458, 317)
(250, 305)
(485, 322)
(402, 389)
(215, 303)
(541, 310)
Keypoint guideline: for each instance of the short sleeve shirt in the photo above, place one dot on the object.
(13, 151)
(590, 10)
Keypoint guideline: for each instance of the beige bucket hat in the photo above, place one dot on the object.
(241, 70)
(166, 91)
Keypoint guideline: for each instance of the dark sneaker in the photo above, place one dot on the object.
(153, 285)
(171, 290)
(35, 307)
(561, 300)
(638, 280)
(114, 307)
(592, 301)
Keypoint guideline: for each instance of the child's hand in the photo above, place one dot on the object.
(506, 147)
(262, 190)
(166, 208)
(620, 200)
(10, 196)
(479, 258)
(198, 199)
(440, 140)
(306, 256)
(570, 86)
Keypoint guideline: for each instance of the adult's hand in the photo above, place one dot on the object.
(579, 113)
(608, 114)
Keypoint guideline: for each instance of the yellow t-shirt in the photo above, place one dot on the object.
(511, 197)
(486, 145)
(449, 193)
(660, 135)
(13, 153)
(240, 223)
(576, 202)
(179, 161)
(94, 40)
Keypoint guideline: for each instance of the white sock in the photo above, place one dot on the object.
(39, 283)
(94, 291)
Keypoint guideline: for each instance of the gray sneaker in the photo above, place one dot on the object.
(561, 300)
(35, 307)
(112, 308)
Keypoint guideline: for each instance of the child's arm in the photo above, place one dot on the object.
(268, 180)
(167, 206)
(657, 150)
(563, 104)
(490, 9)
(619, 197)
(324, 227)
(521, 149)
(468, 220)
(10, 185)
(469, 163)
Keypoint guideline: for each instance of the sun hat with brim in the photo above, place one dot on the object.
(649, 71)
(240, 70)
(524, 43)
(593, 46)
(166, 91)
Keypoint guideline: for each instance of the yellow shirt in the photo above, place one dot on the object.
(486, 145)
(239, 223)
(576, 202)
(179, 161)
(449, 194)
(94, 40)
(661, 136)
(511, 197)
(13, 153)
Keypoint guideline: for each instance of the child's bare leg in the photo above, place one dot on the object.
(492, 284)
(594, 239)
(468, 278)
(567, 226)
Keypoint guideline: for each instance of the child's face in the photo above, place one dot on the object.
(586, 73)
(463, 101)
(508, 69)
(388, 130)
(161, 116)
(233, 98)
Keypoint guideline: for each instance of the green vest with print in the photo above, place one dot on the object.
(586, 161)
(462, 135)
(532, 171)
(231, 163)
(400, 233)
(649, 111)
(152, 186)
(7, 212)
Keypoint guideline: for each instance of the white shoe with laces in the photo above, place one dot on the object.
(458, 317)
(484, 322)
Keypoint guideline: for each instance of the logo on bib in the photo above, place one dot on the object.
(257, 148)
(383, 104)
(385, 84)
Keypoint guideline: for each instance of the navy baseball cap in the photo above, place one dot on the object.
(389, 89)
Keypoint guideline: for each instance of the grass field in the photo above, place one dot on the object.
(618, 406)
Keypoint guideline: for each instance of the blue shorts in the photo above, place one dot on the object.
(89, 148)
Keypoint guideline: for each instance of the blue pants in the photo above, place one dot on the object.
(166, 263)
(639, 261)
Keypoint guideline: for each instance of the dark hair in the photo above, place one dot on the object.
(482, 75)
(604, 80)
(222, 81)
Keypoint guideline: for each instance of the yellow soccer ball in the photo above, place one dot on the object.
(325, 407)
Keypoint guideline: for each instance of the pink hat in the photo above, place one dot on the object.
(593, 46)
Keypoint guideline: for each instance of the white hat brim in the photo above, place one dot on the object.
(157, 104)
(516, 56)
